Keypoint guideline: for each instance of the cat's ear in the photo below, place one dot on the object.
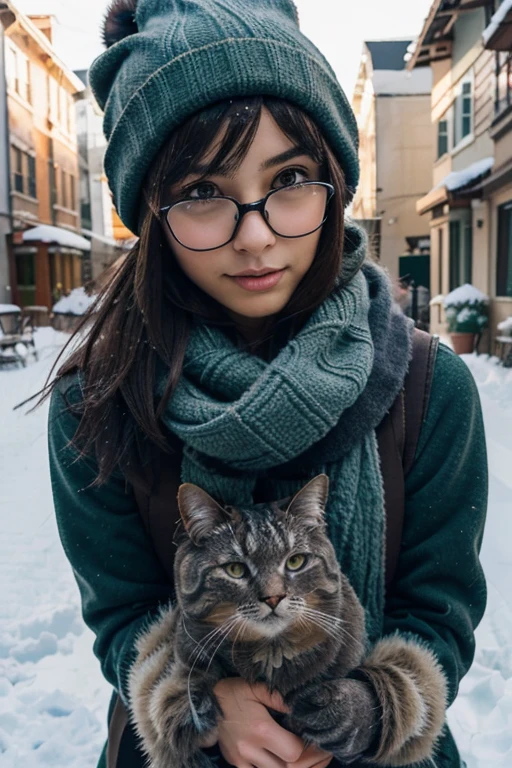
(199, 512)
(308, 504)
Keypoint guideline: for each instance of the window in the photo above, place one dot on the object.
(504, 271)
(63, 189)
(17, 71)
(467, 109)
(19, 181)
(32, 185)
(10, 65)
(503, 98)
(72, 196)
(463, 112)
(442, 137)
(461, 251)
(24, 172)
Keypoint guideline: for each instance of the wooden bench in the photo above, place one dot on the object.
(503, 347)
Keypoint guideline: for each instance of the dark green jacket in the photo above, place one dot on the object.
(439, 590)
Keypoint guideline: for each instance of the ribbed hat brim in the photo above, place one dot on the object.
(229, 68)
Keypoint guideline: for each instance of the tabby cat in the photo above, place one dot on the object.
(259, 595)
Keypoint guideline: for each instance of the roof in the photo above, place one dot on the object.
(44, 233)
(44, 44)
(456, 184)
(458, 179)
(391, 82)
(388, 54)
(436, 38)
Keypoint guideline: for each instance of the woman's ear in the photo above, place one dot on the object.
(199, 512)
(308, 505)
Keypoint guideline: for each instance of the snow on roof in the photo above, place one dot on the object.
(8, 309)
(466, 294)
(497, 19)
(44, 233)
(403, 82)
(458, 179)
(77, 303)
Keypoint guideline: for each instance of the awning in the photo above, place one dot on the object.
(498, 35)
(56, 236)
(454, 184)
(123, 245)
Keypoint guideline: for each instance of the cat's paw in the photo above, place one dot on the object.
(340, 716)
(186, 725)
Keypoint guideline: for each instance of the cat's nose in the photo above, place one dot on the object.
(273, 600)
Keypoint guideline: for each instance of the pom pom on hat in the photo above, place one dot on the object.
(119, 21)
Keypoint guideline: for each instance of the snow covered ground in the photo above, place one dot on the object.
(53, 699)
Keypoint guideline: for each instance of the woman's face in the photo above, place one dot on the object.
(277, 264)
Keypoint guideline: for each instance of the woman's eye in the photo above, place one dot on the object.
(291, 176)
(235, 570)
(202, 191)
(295, 562)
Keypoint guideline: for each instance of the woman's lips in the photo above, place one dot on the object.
(260, 282)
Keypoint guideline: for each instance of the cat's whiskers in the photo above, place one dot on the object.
(208, 640)
(324, 619)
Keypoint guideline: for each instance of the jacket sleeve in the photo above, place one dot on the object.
(121, 583)
(438, 596)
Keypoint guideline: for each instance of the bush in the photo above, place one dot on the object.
(467, 310)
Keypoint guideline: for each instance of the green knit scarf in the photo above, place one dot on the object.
(243, 420)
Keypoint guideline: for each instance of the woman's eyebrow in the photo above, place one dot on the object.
(290, 154)
(200, 169)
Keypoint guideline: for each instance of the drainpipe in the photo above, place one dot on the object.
(7, 17)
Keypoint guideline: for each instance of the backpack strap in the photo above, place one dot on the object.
(398, 436)
(158, 505)
(417, 386)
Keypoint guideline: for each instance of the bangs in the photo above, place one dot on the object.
(216, 141)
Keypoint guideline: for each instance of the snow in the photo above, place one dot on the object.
(401, 82)
(506, 326)
(45, 233)
(465, 294)
(496, 20)
(76, 303)
(458, 179)
(53, 699)
(8, 308)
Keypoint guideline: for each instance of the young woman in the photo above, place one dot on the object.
(248, 337)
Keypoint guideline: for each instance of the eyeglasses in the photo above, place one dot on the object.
(205, 224)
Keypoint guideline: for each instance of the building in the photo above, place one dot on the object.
(392, 107)
(466, 44)
(43, 164)
(6, 19)
(99, 221)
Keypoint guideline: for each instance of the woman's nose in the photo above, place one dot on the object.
(253, 235)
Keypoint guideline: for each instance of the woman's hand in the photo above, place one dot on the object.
(249, 736)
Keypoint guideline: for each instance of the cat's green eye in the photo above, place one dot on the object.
(236, 570)
(295, 562)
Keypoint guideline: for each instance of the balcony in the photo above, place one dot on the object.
(498, 35)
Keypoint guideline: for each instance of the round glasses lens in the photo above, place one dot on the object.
(203, 224)
(297, 210)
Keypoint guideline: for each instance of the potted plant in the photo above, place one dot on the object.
(467, 314)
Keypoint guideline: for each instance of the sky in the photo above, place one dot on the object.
(337, 27)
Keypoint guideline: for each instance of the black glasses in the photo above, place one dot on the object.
(205, 224)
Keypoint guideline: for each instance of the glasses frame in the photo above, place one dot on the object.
(244, 208)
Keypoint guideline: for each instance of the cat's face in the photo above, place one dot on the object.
(262, 571)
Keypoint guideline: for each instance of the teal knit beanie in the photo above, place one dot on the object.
(167, 59)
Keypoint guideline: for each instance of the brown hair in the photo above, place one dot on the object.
(141, 321)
